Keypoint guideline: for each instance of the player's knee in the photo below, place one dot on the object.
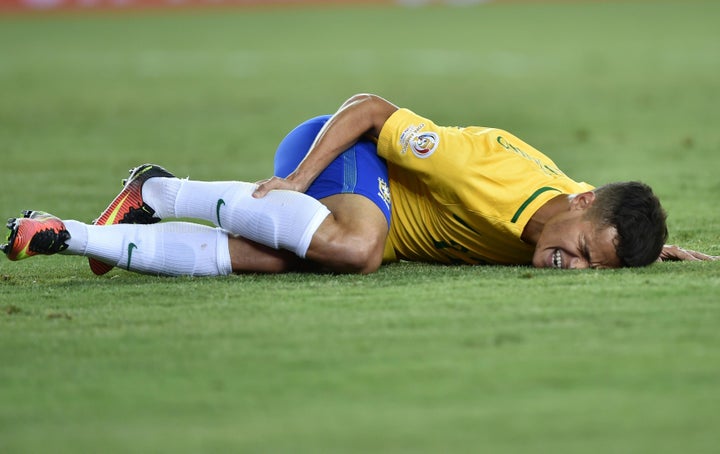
(363, 255)
(354, 244)
(352, 252)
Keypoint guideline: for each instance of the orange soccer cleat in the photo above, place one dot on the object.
(37, 233)
(128, 207)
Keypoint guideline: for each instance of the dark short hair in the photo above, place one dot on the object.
(635, 212)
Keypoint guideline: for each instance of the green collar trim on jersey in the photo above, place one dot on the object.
(529, 201)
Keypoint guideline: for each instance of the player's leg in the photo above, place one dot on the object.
(173, 248)
(286, 219)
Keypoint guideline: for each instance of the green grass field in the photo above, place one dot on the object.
(415, 358)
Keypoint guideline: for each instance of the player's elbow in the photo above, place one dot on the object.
(360, 97)
(361, 101)
(370, 110)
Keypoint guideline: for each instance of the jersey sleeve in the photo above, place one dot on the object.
(435, 154)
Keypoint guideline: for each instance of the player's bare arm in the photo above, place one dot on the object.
(361, 115)
(676, 253)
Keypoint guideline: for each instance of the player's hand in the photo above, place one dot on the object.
(270, 184)
(674, 253)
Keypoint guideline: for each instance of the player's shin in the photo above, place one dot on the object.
(280, 220)
(171, 249)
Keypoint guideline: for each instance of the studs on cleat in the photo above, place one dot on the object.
(5, 248)
(29, 213)
(35, 233)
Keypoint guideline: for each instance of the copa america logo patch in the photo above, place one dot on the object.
(424, 144)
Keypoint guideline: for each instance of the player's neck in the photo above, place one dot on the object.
(537, 222)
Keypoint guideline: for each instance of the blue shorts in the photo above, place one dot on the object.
(358, 170)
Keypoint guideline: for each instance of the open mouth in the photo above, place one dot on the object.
(557, 259)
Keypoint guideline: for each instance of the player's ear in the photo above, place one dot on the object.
(582, 201)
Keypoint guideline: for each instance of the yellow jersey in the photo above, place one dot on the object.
(463, 195)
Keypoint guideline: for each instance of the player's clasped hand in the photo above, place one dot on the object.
(272, 183)
(672, 253)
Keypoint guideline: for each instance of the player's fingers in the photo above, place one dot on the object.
(265, 186)
(672, 252)
(678, 253)
(685, 254)
(701, 256)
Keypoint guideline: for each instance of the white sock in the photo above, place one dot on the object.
(160, 193)
(171, 248)
(281, 219)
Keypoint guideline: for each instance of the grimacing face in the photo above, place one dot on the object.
(571, 240)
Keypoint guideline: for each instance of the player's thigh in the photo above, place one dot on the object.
(358, 215)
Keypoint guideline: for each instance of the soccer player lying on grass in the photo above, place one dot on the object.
(371, 184)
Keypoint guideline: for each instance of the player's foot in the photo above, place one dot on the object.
(128, 207)
(35, 233)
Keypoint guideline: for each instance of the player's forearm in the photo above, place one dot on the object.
(359, 116)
